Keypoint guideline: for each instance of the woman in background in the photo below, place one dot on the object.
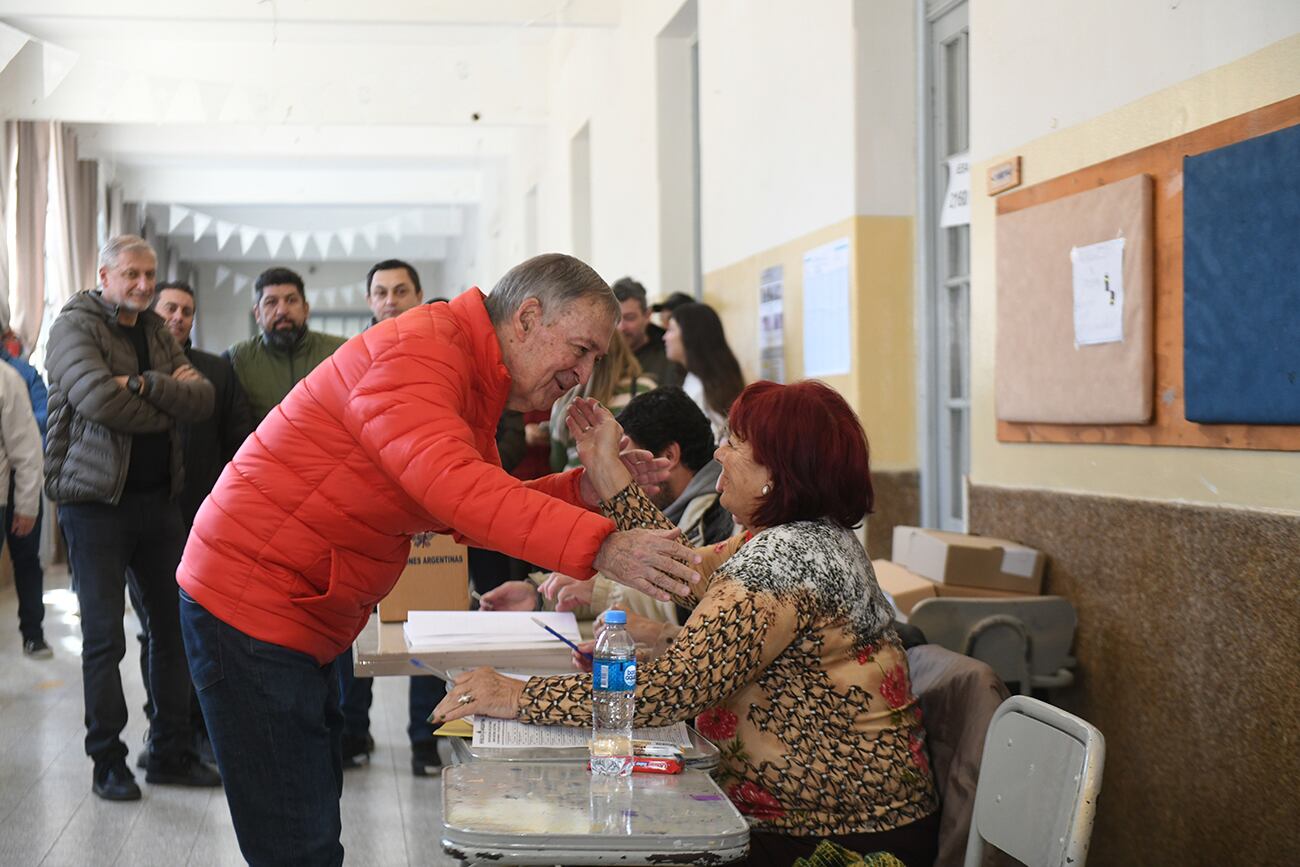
(696, 341)
(615, 380)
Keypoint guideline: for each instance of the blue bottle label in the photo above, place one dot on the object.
(614, 675)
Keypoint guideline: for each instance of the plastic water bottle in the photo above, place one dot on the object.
(613, 698)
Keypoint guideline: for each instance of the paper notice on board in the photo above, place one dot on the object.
(771, 324)
(956, 202)
(826, 349)
(1098, 292)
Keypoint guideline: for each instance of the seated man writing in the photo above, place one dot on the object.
(667, 423)
(788, 661)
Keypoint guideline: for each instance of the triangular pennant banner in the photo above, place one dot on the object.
(393, 228)
(322, 240)
(56, 63)
(224, 231)
(223, 274)
(201, 223)
(12, 41)
(328, 296)
(371, 234)
(236, 107)
(241, 283)
(186, 104)
(348, 238)
(413, 221)
(175, 216)
(212, 96)
(298, 240)
(274, 240)
(248, 235)
(313, 297)
(162, 89)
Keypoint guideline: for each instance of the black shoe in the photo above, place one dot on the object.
(357, 750)
(36, 648)
(425, 761)
(113, 781)
(182, 770)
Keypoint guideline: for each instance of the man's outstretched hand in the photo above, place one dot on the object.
(652, 561)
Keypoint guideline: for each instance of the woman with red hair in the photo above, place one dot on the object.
(789, 662)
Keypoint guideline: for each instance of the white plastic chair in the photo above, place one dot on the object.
(1039, 782)
(1025, 640)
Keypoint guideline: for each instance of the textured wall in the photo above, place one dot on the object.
(898, 501)
(1188, 663)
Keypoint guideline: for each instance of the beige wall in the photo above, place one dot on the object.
(1215, 476)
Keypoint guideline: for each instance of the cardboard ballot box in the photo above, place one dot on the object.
(970, 561)
(908, 589)
(436, 578)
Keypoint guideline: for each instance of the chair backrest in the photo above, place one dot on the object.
(958, 697)
(1008, 634)
(1038, 787)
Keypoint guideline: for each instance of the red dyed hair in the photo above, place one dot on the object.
(812, 443)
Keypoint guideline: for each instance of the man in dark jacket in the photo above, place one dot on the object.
(272, 363)
(119, 384)
(25, 549)
(642, 336)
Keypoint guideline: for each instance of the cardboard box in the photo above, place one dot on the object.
(970, 561)
(908, 589)
(436, 578)
(904, 587)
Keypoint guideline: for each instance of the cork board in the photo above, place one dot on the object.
(1164, 163)
(1041, 375)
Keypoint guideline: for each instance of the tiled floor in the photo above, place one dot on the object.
(48, 815)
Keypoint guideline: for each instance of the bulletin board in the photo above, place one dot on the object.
(1043, 373)
(1163, 162)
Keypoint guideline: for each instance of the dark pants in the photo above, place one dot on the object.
(915, 844)
(197, 728)
(139, 540)
(358, 695)
(276, 728)
(29, 578)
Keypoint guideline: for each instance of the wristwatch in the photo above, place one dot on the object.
(134, 384)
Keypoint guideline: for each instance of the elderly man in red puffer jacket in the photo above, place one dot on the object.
(310, 524)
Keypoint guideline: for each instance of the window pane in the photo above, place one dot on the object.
(958, 245)
(957, 329)
(957, 462)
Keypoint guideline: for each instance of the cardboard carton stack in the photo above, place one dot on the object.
(436, 578)
(930, 563)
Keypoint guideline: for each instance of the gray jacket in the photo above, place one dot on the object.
(92, 418)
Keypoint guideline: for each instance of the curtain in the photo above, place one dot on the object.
(27, 144)
(74, 210)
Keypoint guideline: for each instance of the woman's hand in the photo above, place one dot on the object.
(583, 663)
(482, 692)
(607, 456)
(576, 595)
(510, 596)
(598, 436)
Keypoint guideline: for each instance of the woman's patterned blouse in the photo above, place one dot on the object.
(787, 663)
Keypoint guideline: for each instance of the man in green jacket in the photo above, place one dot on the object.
(272, 363)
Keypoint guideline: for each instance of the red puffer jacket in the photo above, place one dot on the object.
(310, 524)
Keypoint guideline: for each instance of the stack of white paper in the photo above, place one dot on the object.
(466, 630)
(492, 732)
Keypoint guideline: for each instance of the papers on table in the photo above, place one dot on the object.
(463, 630)
(490, 732)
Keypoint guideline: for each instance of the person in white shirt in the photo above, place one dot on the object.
(22, 454)
(695, 339)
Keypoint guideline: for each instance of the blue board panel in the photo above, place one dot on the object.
(1241, 282)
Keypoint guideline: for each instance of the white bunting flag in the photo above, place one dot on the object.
(201, 223)
(393, 228)
(313, 297)
(328, 296)
(371, 233)
(413, 221)
(12, 41)
(348, 238)
(175, 216)
(224, 231)
(223, 274)
(56, 63)
(186, 105)
(248, 236)
(274, 240)
(322, 240)
(298, 240)
(241, 283)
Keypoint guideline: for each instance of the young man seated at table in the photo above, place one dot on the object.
(669, 424)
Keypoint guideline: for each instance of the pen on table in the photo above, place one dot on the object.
(576, 649)
(435, 672)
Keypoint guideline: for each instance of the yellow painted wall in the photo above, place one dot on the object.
(1220, 476)
(881, 386)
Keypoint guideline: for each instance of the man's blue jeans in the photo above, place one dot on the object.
(426, 691)
(273, 716)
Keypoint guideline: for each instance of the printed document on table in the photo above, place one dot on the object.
(492, 732)
(454, 630)
(1098, 292)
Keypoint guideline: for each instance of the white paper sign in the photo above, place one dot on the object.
(956, 202)
(826, 350)
(771, 324)
(1098, 292)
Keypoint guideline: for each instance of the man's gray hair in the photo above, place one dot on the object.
(119, 244)
(554, 279)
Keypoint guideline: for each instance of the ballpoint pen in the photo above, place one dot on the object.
(576, 649)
